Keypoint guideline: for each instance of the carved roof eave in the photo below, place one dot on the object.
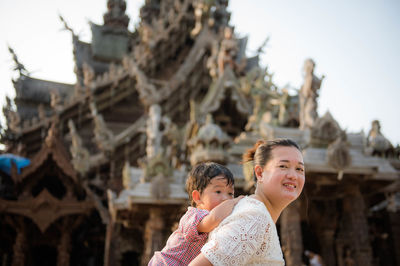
(34, 89)
(212, 101)
(74, 105)
(197, 52)
(119, 140)
(58, 154)
(141, 195)
(372, 168)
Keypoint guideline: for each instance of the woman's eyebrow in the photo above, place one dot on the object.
(287, 161)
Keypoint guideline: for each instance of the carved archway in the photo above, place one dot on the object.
(49, 203)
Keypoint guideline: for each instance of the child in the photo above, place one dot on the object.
(210, 189)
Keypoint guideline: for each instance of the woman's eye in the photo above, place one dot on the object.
(282, 166)
(300, 169)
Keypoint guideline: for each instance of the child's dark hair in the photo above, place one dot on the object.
(201, 176)
(261, 152)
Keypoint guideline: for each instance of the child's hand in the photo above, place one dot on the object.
(224, 209)
(217, 214)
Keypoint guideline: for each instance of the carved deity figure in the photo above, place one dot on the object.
(264, 100)
(228, 51)
(153, 131)
(378, 144)
(308, 95)
(41, 112)
(284, 102)
(14, 121)
(80, 155)
(103, 136)
(200, 7)
(88, 75)
(338, 154)
(55, 100)
(219, 15)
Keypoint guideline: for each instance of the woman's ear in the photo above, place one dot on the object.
(258, 171)
(196, 197)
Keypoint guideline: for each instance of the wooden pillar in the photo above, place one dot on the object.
(354, 208)
(64, 249)
(394, 218)
(153, 235)
(291, 235)
(19, 248)
(111, 249)
(328, 247)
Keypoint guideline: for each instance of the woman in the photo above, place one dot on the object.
(249, 236)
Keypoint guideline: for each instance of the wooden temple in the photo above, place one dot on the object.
(110, 154)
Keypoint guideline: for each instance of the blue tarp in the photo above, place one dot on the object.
(7, 158)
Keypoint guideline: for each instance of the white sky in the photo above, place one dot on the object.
(355, 44)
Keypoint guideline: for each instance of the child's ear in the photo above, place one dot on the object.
(196, 197)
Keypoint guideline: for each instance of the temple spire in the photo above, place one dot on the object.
(115, 15)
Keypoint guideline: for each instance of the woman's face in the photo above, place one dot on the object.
(283, 176)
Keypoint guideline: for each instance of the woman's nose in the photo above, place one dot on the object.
(291, 173)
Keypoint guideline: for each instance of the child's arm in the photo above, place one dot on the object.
(217, 214)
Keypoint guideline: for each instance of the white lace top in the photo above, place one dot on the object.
(246, 237)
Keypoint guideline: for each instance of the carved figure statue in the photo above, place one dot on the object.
(263, 99)
(377, 143)
(200, 8)
(338, 154)
(308, 95)
(55, 100)
(103, 136)
(88, 75)
(212, 61)
(153, 131)
(160, 187)
(219, 16)
(41, 112)
(14, 121)
(228, 51)
(80, 155)
(283, 116)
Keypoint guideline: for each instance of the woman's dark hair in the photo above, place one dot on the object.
(201, 176)
(261, 152)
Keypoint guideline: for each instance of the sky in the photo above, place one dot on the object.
(355, 45)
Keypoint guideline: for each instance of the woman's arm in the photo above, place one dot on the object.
(200, 260)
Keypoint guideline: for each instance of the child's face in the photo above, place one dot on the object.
(216, 192)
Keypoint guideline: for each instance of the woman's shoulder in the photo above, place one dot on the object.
(252, 203)
(251, 206)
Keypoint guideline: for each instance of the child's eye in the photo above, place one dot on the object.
(231, 194)
(218, 192)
